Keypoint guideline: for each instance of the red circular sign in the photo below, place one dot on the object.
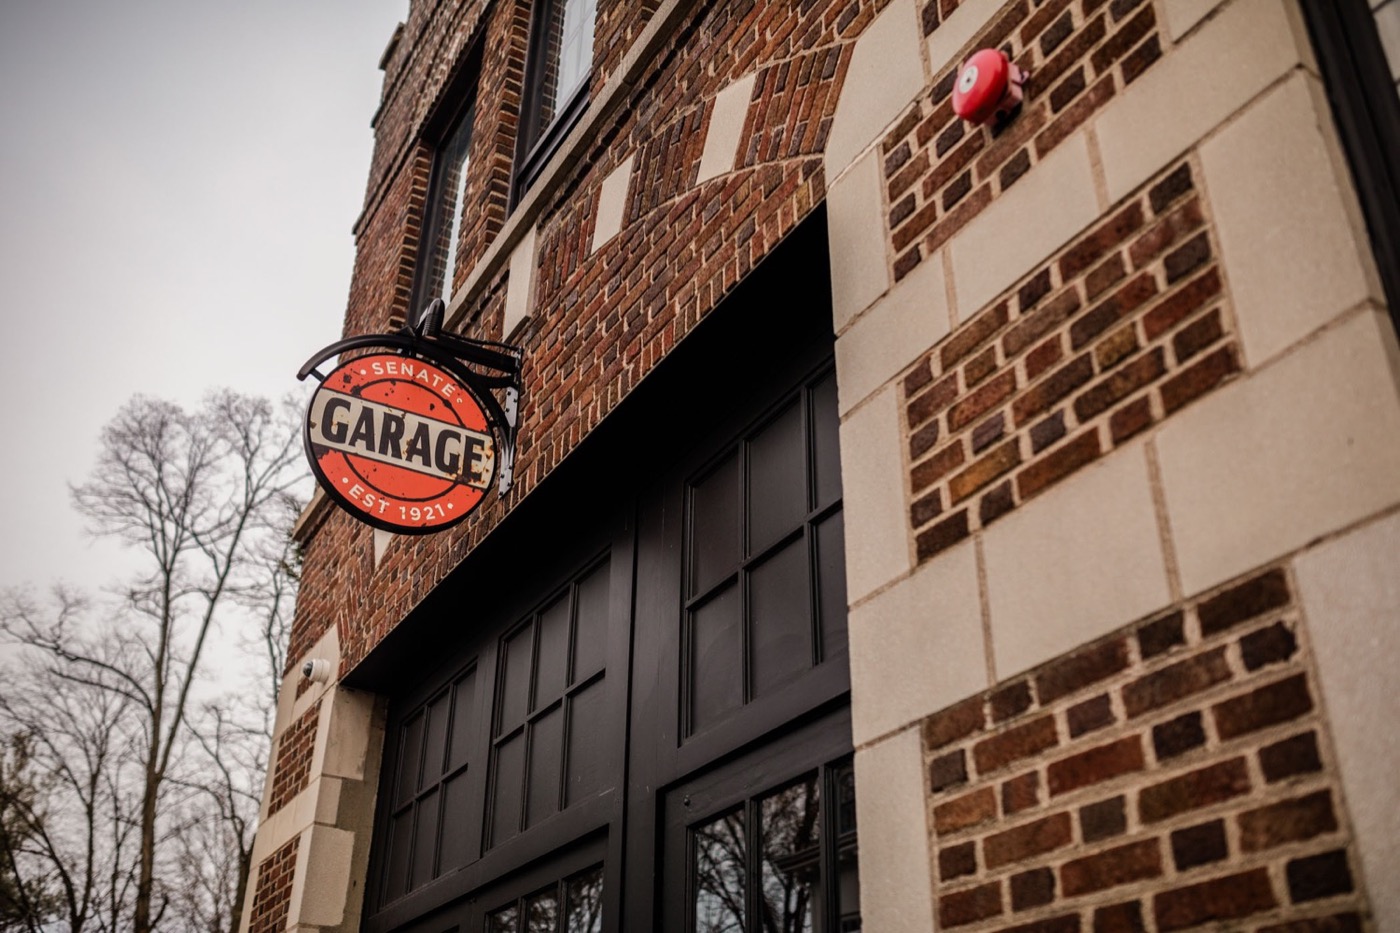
(402, 444)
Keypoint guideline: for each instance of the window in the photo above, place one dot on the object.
(574, 905)
(442, 225)
(766, 593)
(561, 58)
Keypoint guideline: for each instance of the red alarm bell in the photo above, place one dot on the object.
(989, 85)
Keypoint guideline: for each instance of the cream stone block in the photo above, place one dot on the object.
(947, 43)
(520, 285)
(322, 877)
(895, 890)
(872, 481)
(1194, 89)
(612, 203)
(1294, 262)
(344, 734)
(1074, 563)
(382, 539)
(1351, 594)
(909, 319)
(726, 123)
(856, 236)
(1053, 202)
(917, 646)
(885, 74)
(1182, 15)
(1388, 25)
(1306, 446)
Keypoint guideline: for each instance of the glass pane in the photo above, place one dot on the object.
(456, 808)
(515, 679)
(506, 920)
(425, 841)
(848, 869)
(410, 759)
(780, 624)
(587, 766)
(551, 668)
(435, 744)
(446, 221)
(396, 870)
(831, 585)
(719, 849)
(714, 526)
(716, 673)
(542, 912)
(546, 746)
(463, 712)
(510, 778)
(585, 903)
(791, 858)
(826, 452)
(777, 479)
(566, 55)
(591, 629)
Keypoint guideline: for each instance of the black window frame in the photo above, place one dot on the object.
(456, 109)
(534, 148)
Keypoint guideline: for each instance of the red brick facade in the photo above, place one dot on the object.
(1175, 773)
(1124, 327)
(273, 895)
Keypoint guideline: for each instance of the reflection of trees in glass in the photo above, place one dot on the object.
(720, 854)
(791, 884)
(582, 897)
(791, 858)
(504, 921)
(542, 912)
(585, 902)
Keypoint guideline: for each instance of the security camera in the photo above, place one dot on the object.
(317, 670)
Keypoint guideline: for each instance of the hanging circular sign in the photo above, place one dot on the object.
(400, 443)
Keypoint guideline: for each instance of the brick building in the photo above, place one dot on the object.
(916, 525)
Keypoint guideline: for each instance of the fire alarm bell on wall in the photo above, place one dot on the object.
(989, 85)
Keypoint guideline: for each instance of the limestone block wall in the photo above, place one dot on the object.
(1126, 361)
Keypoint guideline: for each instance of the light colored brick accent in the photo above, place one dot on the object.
(1349, 590)
(917, 646)
(872, 480)
(892, 333)
(726, 124)
(1294, 262)
(612, 203)
(1195, 88)
(886, 72)
(1304, 447)
(1046, 576)
(894, 853)
(856, 239)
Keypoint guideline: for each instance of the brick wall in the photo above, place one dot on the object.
(601, 320)
(273, 895)
(1125, 326)
(940, 172)
(1175, 773)
(292, 771)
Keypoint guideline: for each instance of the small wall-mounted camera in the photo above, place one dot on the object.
(989, 87)
(317, 670)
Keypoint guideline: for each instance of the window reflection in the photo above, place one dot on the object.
(542, 912)
(585, 902)
(791, 858)
(504, 921)
(720, 848)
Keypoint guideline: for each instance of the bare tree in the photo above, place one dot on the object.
(204, 497)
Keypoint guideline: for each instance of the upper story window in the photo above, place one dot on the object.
(442, 223)
(561, 59)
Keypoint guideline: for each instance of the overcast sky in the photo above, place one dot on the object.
(178, 181)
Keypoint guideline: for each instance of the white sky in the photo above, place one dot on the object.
(178, 180)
